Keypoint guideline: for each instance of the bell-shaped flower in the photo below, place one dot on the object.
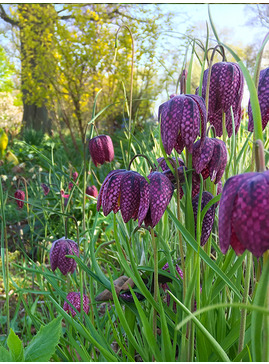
(66, 196)
(92, 191)
(75, 175)
(160, 193)
(20, 195)
(208, 220)
(225, 90)
(180, 118)
(210, 159)
(101, 149)
(244, 213)
(263, 96)
(59, 249)
(126, 191)
(45, 188)
(75, 299)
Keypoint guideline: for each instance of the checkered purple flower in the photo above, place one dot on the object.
(225, 90)
(101, 149)
(126, 191)
(59, 249)
(20, 195)
(180, 122)
(209, 216)
(75, 299)
(263, 96)
(160, 193)
(210, 159)
(244, 213)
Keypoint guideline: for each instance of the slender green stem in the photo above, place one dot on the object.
(155, 257)
(131, 85)
(244, 300)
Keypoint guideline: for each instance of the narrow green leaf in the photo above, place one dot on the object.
(43, 345)
(15, 346)
(191, 241)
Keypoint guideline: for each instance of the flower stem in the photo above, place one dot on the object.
(155, 257)
(245, 299)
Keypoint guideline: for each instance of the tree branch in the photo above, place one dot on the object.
(6, 18)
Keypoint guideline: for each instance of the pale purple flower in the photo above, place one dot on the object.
(20, 195)
(59, 249)
(210, 159)
(263, 96)
(244, 213)
(75, 299)
(180, 122)
(225, 91)
(101, 149)
(208, 220)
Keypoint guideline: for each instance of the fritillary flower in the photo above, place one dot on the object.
(210, 159)
(20, 195)
(180, 122)
(59, 249)
(126, 191)
(75, 299)
(225, 91)
(45, 189)
(263, 96)
(92, 191)
(244, 213)
(208, 220)
(101, 149)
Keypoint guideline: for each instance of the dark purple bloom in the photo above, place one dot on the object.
(59, 249)
(45, 189)
(127, 191)
(244, 213)
(165, 285)
(20, 195)
(92, 191)
(70, 186)
(74, 298)
(101, 149)
(263, 96)
(180, 122)
(225, 90)
(66, 197)
(75, 176)
(127, 296)
(209, 216)
(160, 193)
(210, 159)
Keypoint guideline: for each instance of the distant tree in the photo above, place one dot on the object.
(259, 14)
(67, 56)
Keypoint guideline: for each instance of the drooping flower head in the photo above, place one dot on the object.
(160, 193)
(126, 191)
(70, 186)
(263, 96)
(75, 176)
(20, 195)
(180, 122)
(45, 189)
(92, 191)
(74, 298)
(65, 196)
(225, 90)
(209, 216)
(59, 249)
(101, 149)
(210, 159)
(244, 213)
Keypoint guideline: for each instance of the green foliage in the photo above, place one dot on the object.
(40, 348)
(33, 137)
(6, 72)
